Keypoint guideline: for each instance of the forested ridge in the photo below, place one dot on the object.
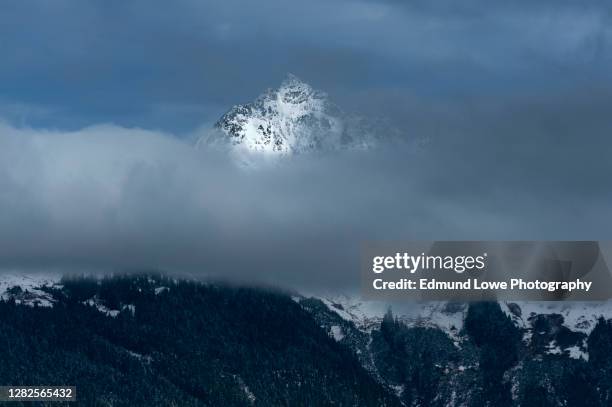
(151, 340)
(191, 344)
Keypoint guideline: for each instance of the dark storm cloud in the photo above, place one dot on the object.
(514, 101)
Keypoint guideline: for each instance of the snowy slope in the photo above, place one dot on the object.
(367, 315)
(577, 316)
(293, 119)
(539, 321)
(27, 289)
(32, 289)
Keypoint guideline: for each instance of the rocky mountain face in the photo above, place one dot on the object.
(207, 344)
(457, 354)
(293, 119)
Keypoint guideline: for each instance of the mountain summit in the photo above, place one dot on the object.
(293, 119)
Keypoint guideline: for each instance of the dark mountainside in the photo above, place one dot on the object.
(188, 344)
(150, 340)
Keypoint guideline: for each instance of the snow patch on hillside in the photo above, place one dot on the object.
(337, 333)
(367, 315)
(28, 289)
(577, 316)
(96, 303)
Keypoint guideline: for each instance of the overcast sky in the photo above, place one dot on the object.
(99, 101)
(67, 64)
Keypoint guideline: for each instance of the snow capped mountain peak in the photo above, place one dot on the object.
(294, 92)
(293, 119)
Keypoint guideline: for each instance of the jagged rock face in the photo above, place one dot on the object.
(295, 118)
(424, 360)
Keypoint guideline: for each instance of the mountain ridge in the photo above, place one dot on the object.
(443, 354)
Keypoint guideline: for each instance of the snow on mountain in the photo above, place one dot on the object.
(34, 290)
(95, 302)
(29, 289)
(293, 119)
(563, 326)
(577, 316)
(539, 321)
(367, 315)
(449, 316)
(337, 333)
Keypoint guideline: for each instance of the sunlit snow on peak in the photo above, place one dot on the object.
(293, 119)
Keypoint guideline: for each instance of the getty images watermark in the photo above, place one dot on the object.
(481, 270)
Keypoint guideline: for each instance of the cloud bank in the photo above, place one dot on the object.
(109, 198)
